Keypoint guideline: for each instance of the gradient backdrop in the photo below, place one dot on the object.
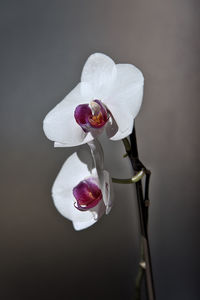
(44, 45)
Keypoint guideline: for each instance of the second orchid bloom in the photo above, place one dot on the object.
(82, 192)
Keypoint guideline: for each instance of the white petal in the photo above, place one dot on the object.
(83, 225)
(60, 125)
(104, 179)
(97, 154)
(71, 173)
(97, 213)
(100, 72)
(125, 99)
(76, 168)
(87, 139)
(128, 88)
(98, 157)
(122, 124)
(108, 192)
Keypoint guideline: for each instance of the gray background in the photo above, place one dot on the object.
(44, 45)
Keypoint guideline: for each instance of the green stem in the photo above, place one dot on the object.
(127, 145)
(134, 179)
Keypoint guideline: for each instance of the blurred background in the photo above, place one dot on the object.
(44, 45)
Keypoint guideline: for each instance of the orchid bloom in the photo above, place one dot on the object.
(77, 192)
(108, 97)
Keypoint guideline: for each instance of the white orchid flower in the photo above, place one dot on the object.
(109, 96)
(77, 192)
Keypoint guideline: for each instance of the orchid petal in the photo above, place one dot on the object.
(122, 125)
(80, 225)
(105, 181)
(87, 139)
(128, 88)
(97, 154)
(60, 125)
(98, 157)
(100, 72)
(71, 173)
(125, 99)
(107, 192)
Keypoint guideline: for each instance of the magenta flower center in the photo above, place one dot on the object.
(91, 116)
(87, 194)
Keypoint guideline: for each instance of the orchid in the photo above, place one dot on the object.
(78, 193)
(108, 97)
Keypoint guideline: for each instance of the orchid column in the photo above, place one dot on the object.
(108, 98)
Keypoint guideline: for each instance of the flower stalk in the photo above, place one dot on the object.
(134, 179)
(143, 204)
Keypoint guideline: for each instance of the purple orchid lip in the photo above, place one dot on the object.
(87, 194)
(91, 116)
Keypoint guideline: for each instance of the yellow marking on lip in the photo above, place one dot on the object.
(91, 195)
(96, 119)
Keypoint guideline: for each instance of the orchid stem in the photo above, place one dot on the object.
(143, 204)
(134, 179)
(127, 145)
